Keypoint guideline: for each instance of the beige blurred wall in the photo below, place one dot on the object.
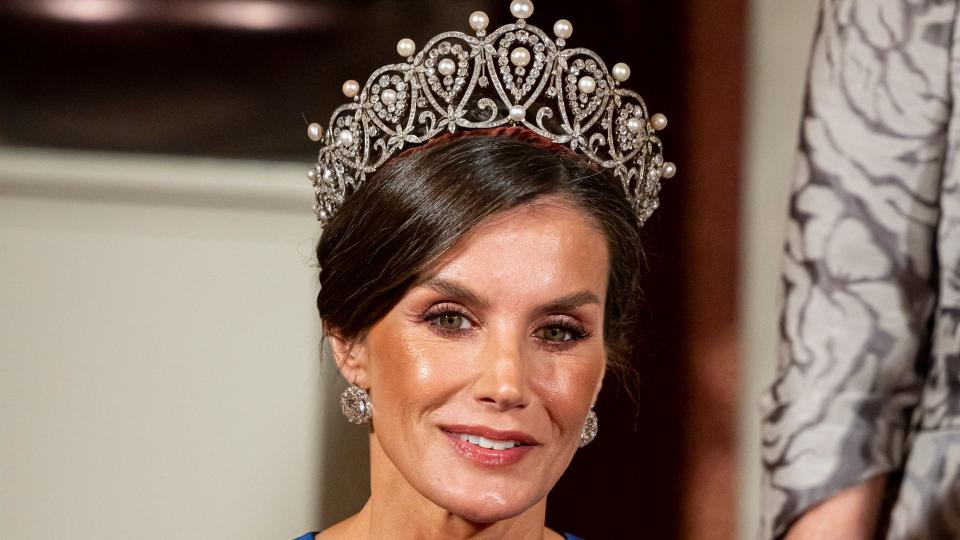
(159, 370)
(781, 32)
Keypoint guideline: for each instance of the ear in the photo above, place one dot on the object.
(351, 359)
(603, 374)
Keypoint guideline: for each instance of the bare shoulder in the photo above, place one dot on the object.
(550, 534)
(340, 531)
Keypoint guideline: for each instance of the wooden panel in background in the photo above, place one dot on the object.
(714, 45)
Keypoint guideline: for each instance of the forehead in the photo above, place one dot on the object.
(541, 250)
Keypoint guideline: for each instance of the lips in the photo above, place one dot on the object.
(491, 434)
(488, 446)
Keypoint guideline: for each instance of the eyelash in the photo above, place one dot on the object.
(438, 312)
(577, 331)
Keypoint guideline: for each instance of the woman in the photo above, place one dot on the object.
(476, 287)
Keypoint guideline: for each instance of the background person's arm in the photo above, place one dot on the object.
(859, 263)
(851, 514)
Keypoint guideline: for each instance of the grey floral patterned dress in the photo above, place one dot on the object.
(868, 380)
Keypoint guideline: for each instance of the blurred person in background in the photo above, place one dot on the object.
(862, 423)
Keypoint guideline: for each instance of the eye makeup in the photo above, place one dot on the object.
(574, 328)
(435, 317)
(556, 333)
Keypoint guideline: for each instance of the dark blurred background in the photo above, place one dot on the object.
(241, 79)
(236, 78)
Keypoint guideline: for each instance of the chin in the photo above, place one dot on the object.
(484, 513)
(488, 508)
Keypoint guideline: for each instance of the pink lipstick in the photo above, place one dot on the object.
(491, 447)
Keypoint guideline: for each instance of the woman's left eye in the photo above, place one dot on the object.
(558, 334)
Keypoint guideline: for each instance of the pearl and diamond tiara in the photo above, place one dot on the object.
(516, 75)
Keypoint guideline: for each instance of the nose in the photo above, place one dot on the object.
(501, 381)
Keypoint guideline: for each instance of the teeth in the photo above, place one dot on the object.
(483, 442)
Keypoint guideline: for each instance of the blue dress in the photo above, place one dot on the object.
(310, 535)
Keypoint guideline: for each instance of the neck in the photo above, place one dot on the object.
(398, 511)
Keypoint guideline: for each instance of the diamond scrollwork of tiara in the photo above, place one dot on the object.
(516, 75)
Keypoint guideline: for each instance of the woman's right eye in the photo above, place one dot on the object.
(451, 322)
(448, 319)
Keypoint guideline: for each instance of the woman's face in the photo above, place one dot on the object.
(482, 376)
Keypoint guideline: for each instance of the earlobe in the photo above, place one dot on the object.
(350, 357)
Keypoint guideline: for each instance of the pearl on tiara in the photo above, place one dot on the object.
(620, 72)
(351, 88)
(479, 21)
(406, 47)
(388, 97)
(516, 75)
(669, 170)
(563, 29)
(346, 138)
(521, 9)
(520, 57)
(587, 85)
(658, 121)
(447, 67)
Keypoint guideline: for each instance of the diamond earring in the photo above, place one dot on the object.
(355, 404)
(590, 428)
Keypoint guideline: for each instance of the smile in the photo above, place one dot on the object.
(490, 447)
(484, 442)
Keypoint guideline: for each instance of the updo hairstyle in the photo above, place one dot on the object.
(393, 231)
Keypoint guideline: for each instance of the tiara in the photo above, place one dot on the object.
(516, 75)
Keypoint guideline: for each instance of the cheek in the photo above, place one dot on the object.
(567, 385)
(409, 371)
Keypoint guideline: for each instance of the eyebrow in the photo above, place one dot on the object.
(461, 292)
(456, 290)
(569, 302)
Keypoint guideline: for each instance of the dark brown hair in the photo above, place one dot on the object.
(391, 232)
